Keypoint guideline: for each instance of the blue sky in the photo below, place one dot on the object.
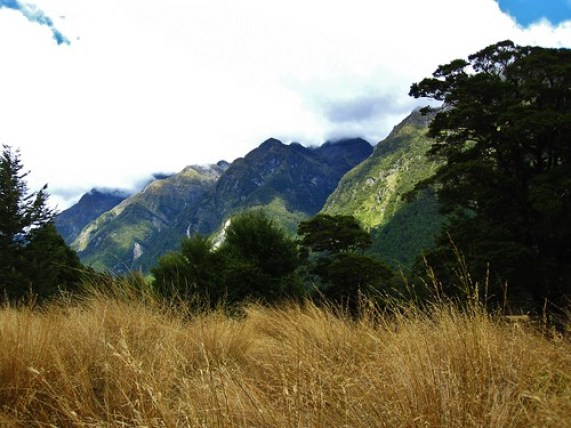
(527, 12)
(35, 15)
(107, 92)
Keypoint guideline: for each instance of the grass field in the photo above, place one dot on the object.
(109, 361)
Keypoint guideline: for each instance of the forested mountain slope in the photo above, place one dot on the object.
(373, 192)
(120, 236)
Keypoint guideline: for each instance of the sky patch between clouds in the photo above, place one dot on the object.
(528, 12)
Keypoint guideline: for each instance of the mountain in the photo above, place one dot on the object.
(90, 206)
(373, 192)
(290, 182)
(118, 237)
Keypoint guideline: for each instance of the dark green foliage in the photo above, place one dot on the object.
(333, 233)
(400, 241)
(257, 261)
(344, 275)
(18, 210)
(49, 264)
(374, 193)
(348, 276)
(34, 259)
(504, 137)
(194, 269)
(260, 260)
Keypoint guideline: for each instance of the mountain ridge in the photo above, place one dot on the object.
(91, 205)
(291, 181)
(121, 233)
(373, 192)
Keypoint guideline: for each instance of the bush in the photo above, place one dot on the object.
(256, 261)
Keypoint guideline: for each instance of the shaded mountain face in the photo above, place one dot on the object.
(373, 192)
(290, 182)
(90, 206)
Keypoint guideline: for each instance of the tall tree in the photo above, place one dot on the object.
(19, 211)
(33, 257)
(345, 275)
(260, 260)
(505, 135)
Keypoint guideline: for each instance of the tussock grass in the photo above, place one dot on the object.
(120, 360)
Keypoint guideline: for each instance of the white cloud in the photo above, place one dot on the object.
(147, 86)
(543, 33)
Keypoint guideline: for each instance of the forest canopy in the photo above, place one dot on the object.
(504, 137)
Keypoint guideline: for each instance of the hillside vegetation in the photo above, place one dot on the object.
(127, 232)
(374, 193)
(115, 360)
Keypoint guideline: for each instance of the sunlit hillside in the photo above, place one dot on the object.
(119, 361)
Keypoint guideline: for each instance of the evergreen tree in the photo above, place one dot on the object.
(49, 264)
(260, 260)
(33, 257)
(505, 137)
(192, 271)
(333, 233)
(345, 275)
(350, 276)
(256, 261)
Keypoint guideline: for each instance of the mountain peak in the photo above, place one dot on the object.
(90, 206)
(271, 142)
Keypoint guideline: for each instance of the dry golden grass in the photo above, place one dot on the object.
(108, 361)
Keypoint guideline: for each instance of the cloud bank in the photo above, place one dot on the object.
(149, 86)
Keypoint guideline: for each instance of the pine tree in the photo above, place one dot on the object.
(33, 257)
